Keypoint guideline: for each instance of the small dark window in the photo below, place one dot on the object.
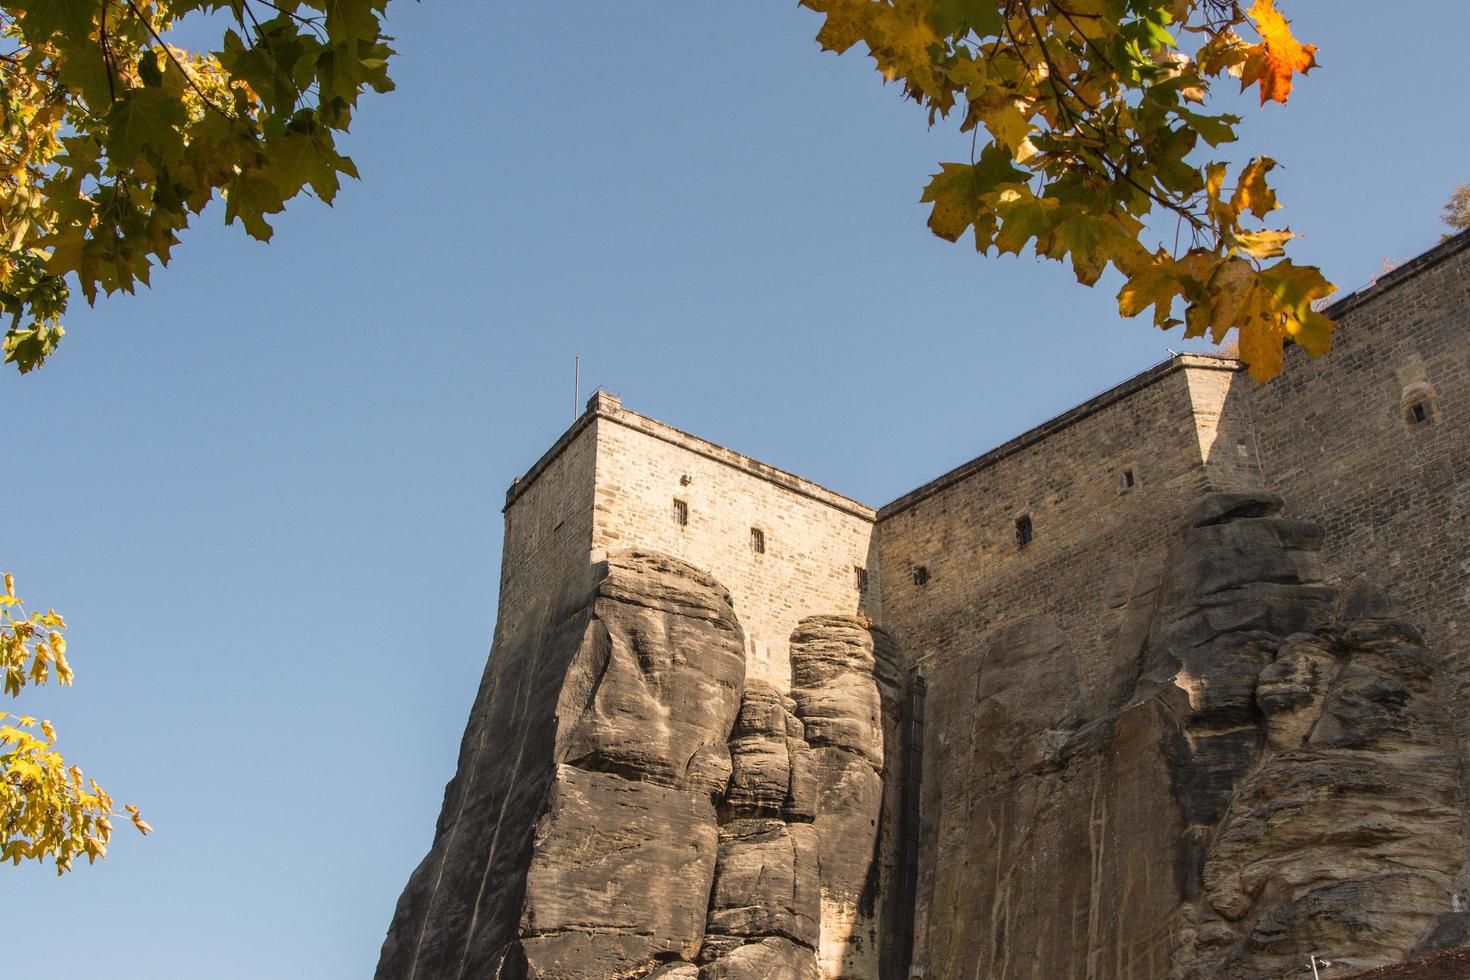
(681, 512)
(861, 574)
(921, 576)
(1024, 531)
(1418, 413)
(757, 540)
(1128, 480)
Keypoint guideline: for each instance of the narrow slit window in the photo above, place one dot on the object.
(1024, 531)
(1418, 403)
(757, 540)
(1128, 479)
(681, 512)
(921, 576)
(860, 574)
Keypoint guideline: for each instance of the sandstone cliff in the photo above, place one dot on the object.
(627, 804)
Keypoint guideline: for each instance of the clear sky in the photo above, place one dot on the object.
(267, 492)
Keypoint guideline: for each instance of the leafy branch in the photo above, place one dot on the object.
(112, 139)
(49, 810)
(1094, 110)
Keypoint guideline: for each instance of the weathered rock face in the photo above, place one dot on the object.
(845, 686)
(579, 835)
(1270, 772)
(1347, 834)
(1270, 783)
(763, 911)
(628, 805)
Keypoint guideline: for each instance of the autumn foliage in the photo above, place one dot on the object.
(49, 810)
(1095, 111)
(112, 136)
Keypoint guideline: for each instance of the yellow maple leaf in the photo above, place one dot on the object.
(1252, 192)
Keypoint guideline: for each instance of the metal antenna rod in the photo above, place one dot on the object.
(576, 387)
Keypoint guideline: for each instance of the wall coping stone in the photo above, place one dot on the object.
(1456, 243)
(603, 405)
(1177, 362)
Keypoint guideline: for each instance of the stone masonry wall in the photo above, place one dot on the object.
(1338, 441)
(952, 563)
(548, 528)
(1074, 603)
(814, 539)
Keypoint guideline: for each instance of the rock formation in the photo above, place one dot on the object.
(1347, 834)
(1269, 772)
(845, 686)
(578, 837)
(1265, 782)
(764, 908)
(627, 805)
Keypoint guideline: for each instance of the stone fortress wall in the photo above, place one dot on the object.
(1024, 585)
(785, 547)
(1341, 441)
(1336, 436)
(548, 529)
(1100, 486)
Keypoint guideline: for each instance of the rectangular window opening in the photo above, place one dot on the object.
(1418, 413)
(681, 512)
(757, 540)
(1024, 531)
(921, 576)
(1128, 480)
(861, 574)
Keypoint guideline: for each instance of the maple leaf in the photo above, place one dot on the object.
(962, 195)
(1279, 55)
(47, 810)
(1262, 244)
(1155, 284)
(113, 138)
(146, 117)
(298, 159)
(1251, 192)
(846, 23)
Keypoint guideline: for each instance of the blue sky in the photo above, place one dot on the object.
(266, 493)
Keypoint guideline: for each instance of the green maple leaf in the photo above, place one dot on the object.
(1214, 130)
(146, 118)
(1025, 218)
(350, 21)
(961, 194)
(250, 197)
(69, 18)
(298, 159)
(1086, 238)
